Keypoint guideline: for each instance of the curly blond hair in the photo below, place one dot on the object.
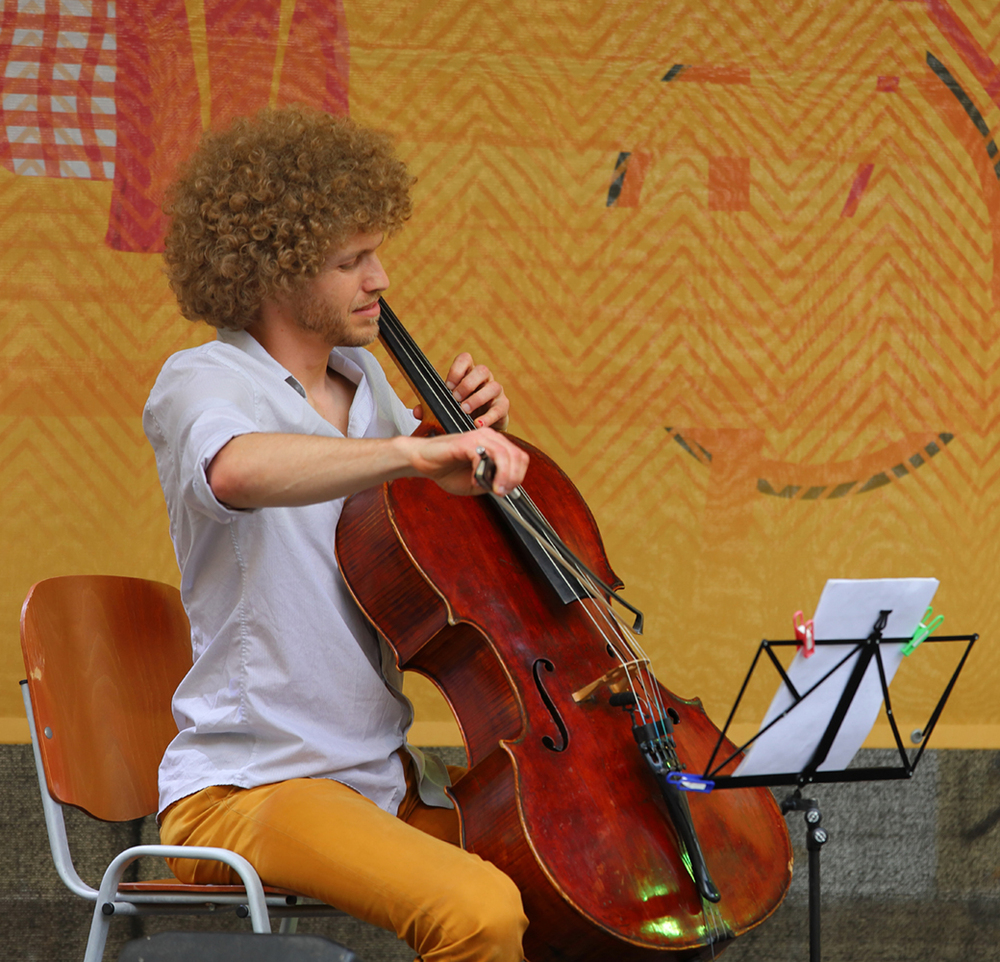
(259, 206)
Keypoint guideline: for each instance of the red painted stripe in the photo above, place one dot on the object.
(857, 189)
(966, 46)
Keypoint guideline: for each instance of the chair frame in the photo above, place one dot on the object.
(115, 898)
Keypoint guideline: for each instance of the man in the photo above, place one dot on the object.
(291, 747)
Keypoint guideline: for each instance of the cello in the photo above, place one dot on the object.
(570, 739)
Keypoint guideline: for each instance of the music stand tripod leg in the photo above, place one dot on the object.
(816, 838)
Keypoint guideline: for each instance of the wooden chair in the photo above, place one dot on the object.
(103, 656)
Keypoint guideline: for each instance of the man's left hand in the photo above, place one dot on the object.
(480, 395)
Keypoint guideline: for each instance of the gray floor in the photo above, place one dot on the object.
(911, 873)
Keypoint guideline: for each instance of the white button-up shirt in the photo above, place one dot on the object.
(288, 678)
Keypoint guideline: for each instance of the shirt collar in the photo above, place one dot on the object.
(247, 343)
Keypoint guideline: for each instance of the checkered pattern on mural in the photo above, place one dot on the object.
(57, 103)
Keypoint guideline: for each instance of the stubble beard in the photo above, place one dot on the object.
(317, 316)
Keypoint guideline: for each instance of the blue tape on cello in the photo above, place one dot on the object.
(687, 782)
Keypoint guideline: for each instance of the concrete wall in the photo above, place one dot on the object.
(911, 873)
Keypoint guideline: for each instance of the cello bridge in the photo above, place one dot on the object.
(617, 680)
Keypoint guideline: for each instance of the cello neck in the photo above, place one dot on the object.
(442, 409)
(439, 406)
(571, 580)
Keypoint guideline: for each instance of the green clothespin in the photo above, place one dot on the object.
(923, 631)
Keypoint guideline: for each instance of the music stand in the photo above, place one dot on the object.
(865, 651)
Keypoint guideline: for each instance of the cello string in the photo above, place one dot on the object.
(629, 639)
(644, 686)
(418, 365)
(715, 929)
(715, 923)
(616, 640)
(576, 564)
(433, 387)
(623, 633)
(649, 700)
(527, 514)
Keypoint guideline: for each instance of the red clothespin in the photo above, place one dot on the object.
(804, 634)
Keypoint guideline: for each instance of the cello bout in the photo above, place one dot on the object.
(558, 794)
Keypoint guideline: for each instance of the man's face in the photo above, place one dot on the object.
(341, 302)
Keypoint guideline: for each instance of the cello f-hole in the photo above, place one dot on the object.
(547, 740)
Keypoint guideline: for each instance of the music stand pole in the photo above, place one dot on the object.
(816, 838)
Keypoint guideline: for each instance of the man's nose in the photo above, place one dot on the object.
(376, 278)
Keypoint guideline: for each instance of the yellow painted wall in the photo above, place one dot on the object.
(742, 360)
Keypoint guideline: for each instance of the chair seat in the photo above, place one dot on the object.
(174, 886)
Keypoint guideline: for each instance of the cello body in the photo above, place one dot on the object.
(557, 794)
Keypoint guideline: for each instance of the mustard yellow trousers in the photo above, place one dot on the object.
(405, 873)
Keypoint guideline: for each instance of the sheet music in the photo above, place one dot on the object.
(846, 609)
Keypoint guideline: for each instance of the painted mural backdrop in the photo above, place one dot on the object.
(737, 263)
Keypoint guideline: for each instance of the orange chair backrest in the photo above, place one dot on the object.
(103, 655)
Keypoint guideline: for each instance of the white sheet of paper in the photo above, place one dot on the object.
(846, 609)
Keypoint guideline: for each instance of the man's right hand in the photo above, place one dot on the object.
(451, 460)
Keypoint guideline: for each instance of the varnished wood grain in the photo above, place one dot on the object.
(103, 656)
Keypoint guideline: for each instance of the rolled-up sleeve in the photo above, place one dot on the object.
(194, 410)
